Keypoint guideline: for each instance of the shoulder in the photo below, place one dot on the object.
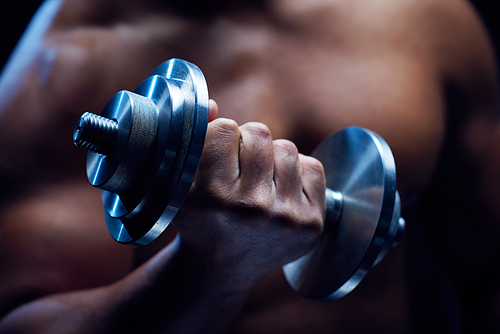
(459, 38)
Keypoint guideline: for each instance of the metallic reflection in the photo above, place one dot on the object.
(359, 165)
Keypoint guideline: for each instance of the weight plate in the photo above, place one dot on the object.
(360, 165)
(165, 96)
(188, 111)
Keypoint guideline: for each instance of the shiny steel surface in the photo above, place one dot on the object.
(358, 164)
(334, 206)
(89, 127)
(120, 169)
(147, 174)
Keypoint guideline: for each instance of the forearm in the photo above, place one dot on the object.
(180, 292)
(167, 294)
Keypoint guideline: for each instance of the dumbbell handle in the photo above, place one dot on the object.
(334, 205)
(333, 214)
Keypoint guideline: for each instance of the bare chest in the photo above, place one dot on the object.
(306, 91)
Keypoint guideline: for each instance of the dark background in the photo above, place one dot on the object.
(15, 16)
(13, 20)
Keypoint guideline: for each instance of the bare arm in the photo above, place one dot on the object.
(166, 293)
(175, 291)
(254, 207)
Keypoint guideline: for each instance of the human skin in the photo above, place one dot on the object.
(419, 73)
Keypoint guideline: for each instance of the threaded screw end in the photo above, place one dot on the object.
(95, 133)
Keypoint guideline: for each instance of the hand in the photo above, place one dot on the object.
(255, 204)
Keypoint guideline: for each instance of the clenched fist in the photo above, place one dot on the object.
(255, 204)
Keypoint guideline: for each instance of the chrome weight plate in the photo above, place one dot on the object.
(359, 164)
(166, 116)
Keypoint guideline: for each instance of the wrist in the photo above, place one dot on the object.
(183, 284)
(215, 269)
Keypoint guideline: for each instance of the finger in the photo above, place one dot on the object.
(213, 110)
(256, 156)
(287, 169)
(219, 160)
(313, 180)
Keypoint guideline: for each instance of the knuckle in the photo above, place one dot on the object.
(259, 200)
(312, 163)
(223, 126)
(258, 130)
(286, 147)
(312, 166)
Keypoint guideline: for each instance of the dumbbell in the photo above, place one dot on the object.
(144, 149)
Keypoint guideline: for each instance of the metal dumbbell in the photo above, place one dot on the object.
(144, 150)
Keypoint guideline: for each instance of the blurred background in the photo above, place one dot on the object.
(15, 16)
(13, 19)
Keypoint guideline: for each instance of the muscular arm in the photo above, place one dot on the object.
(165, 293)
(186, 287)
(255, 205)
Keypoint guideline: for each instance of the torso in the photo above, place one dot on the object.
(307, 71)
